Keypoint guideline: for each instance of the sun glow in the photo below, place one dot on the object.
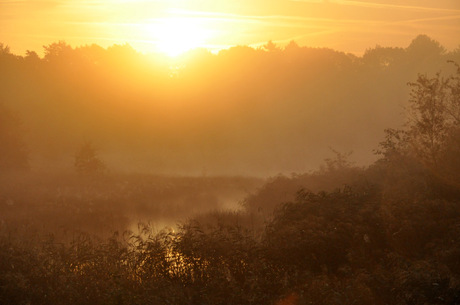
(174, 36)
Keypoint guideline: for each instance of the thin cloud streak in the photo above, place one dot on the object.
(427, 19)
(323, 26)
(122, 20)
(235, 17)
(380, 5)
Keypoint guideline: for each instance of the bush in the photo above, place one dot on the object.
(87, 161)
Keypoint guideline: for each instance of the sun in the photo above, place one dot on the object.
(174, 36)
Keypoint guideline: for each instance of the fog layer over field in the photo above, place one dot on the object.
(119, 176)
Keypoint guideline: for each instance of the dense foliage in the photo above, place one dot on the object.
(13, 151)
(386, 234)
(341, 247)
(222, 112)
(87, 160)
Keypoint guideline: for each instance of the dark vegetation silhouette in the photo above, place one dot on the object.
(214, 111)
(87, 161)
(386, 233)
(13, 151)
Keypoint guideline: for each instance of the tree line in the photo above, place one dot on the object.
(218, 111)
(384, 234)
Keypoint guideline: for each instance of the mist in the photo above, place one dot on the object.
(243, 111)
(271, 175)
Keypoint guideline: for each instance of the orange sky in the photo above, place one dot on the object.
(173, 26)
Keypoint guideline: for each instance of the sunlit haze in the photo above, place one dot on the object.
(173, 27)
(174, 35)
(272, 152)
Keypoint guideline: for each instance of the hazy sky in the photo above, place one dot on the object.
(173, 26)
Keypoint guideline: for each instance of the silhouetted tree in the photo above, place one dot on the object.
(58, 51)
(271, 46)
(423, 46)
(13, 153)
(422, 159)
(292, 45)
(87, 161)
(453, 106)
(428, 121)
(4, 49)
(433, 114)
(381, 58)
